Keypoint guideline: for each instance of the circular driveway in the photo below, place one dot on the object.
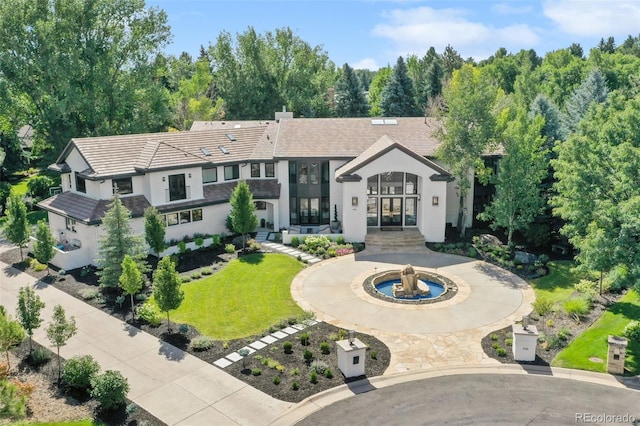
(487, 295)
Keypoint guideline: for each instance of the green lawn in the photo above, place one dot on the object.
(20, 187)
(558, 284)
(593, 342)
(32, 217)
(245, 298)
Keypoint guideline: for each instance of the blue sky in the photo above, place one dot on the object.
(373, 33)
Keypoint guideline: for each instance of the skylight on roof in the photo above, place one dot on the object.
(231, 137)
(377, 122)
(223, 149)
(390, 121)
(205, 151)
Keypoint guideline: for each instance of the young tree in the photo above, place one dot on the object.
(517, 200)
(43, 248)
(166, 287)
(29, 307)
(131, 279)
(154, 230)
(243, 216)
(60, 330)
(350, 98)
(117, 241)
(468, 129)
(398, 98)
(11, 333)
(17, 227)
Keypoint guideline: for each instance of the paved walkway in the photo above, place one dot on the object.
(262, 238)
(443, 334)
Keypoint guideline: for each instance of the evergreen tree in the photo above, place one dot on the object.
(60, 330)
(607, 46)
(350, 98)
(17, 227)
(517, 200)
(131, 280)
(117, 241)
(43, 248)
(243, 216)
(592, 90)
(154, 230)
(29, 307)
(398, 98)
(166, 287)
(433, 80)
(551, 129)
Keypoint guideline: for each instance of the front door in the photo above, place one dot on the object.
(391, 211)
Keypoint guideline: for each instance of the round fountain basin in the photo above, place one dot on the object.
(385, 288)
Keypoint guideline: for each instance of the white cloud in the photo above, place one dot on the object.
(415, 30)
(594, 18)
(510, 9)
(366, 63)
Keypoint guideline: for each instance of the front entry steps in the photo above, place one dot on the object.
(409, 239)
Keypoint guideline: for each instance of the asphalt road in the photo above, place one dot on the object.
(485, 399)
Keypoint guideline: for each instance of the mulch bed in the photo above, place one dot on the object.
(75, 282)
(557, 324)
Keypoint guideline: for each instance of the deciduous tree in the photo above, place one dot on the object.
(131, 280)
(43, 247)
(17, 227)
(60, 330)
(243, 216)
(29, 307)
(375, 90)
(154, 230)
(11, 333)
(166, 287)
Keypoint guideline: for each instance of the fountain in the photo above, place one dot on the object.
(409, 285)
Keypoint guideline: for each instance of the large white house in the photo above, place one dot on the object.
(375, 173)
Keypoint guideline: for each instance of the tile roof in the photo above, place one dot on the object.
(89, 210)
(131, 154)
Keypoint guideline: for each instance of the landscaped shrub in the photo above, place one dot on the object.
(295, 386)
(78, 372)
(508, 342)
(295, 241)
(340, 240)
(564, 334)
(276, 380)
(295, 371)
(587, 288)
(373, 355)
(89, 293)
(199, 241)
(195, 275)
(632, 331)
(308, 356)
(501, 352)
(319, 366)
(202, 343)
(256, 372)
(230, 248)
(40, 356)
(618, 278)
(109, 389)
(217, 240)
(542, 306)
(37, 266)
(149, 313)
(39, 186)
(14, 403)
(304, 338)
(324, 348)
(206, 271)
(494, 336)
(313, 377)
(183, 329)
(287, 346)
(185, 279)
(576, 307)
(550, 323)
(328, 374)
(182, 247)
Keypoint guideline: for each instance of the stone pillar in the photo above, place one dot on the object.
(351, 357)
(525, 341)
(616, 354)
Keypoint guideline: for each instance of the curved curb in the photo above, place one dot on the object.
(324, 399)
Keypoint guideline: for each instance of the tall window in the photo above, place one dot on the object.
(81, 185)
(177, 187)
(231, 172)
(123, 186)
(255, 170)
(210, 175)
(269, 170)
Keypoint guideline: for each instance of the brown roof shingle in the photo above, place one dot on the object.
(89, 210)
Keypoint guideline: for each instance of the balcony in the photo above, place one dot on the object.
(183, 193)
